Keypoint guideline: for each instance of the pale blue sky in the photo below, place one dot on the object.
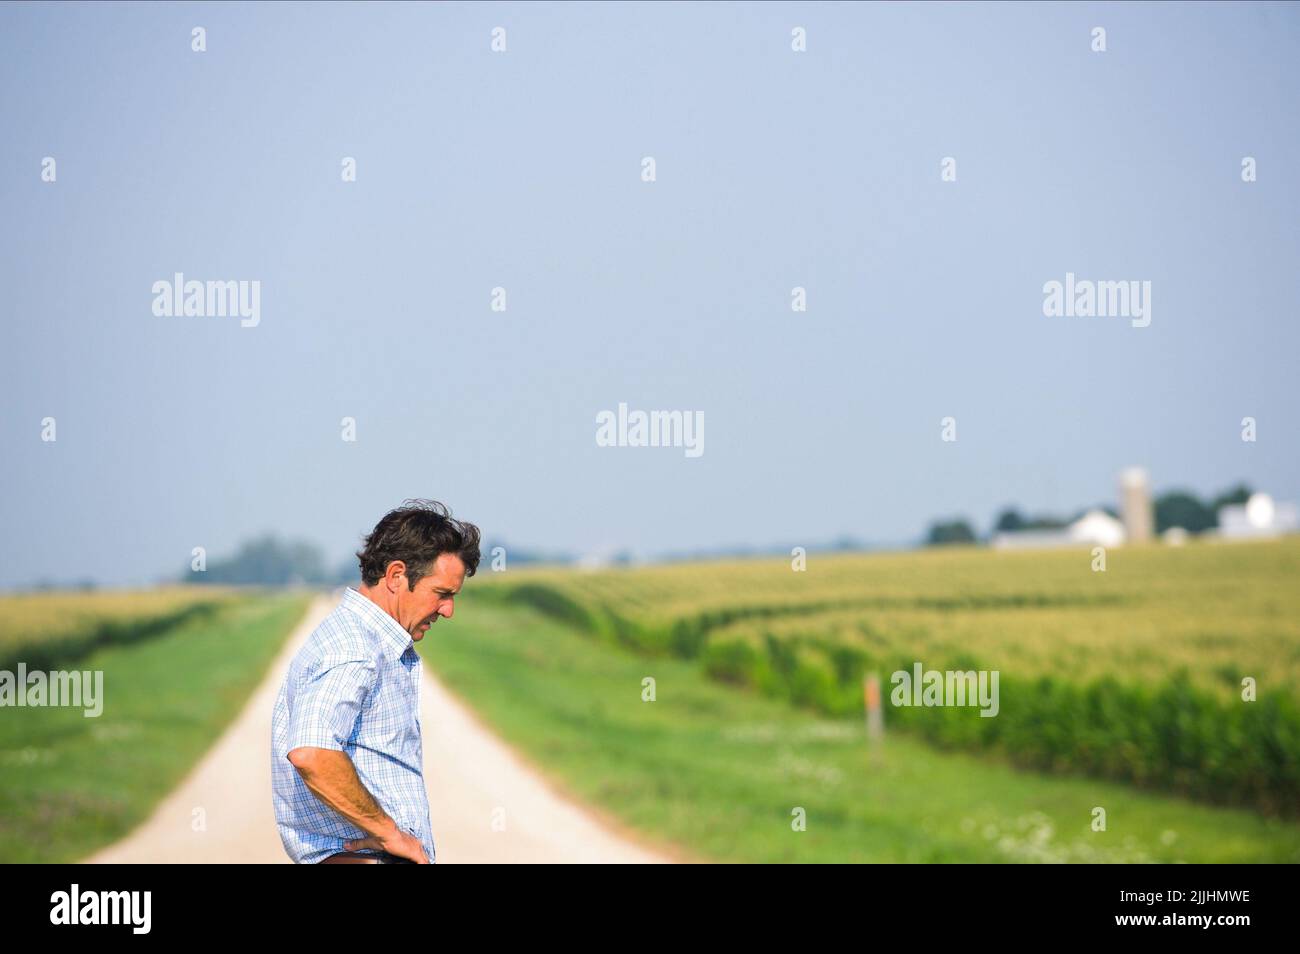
(522, 170)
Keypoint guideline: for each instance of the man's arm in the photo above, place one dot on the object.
(325, 706)
(331, 777)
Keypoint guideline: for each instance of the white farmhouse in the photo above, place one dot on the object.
(1094, 528)
(1258, 517)
(1098, 528)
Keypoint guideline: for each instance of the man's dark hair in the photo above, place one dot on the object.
(417, 533)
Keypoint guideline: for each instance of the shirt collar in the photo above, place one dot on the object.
(394, 637)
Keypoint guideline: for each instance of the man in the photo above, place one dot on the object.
(346, 757)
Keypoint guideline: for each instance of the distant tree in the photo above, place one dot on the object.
(950, 531)
(1237, 495)
(1012, 521)
(1009, 521)
(1180, 509)
(1045, 522)
(348, 572)
(266, 561)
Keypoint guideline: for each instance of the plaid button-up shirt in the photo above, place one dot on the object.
(353, 687)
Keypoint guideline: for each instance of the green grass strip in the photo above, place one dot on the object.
(719, 771)
(70, 785)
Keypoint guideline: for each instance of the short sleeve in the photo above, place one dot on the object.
(327, 701)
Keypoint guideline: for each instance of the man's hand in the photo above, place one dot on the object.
(400, 843)
(331, 777)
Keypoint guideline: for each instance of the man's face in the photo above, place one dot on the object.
(432, 597)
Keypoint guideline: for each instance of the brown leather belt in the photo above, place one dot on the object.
(366, 858)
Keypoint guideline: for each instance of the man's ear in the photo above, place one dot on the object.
(395, 575)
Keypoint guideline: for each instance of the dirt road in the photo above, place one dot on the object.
(485, 803)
